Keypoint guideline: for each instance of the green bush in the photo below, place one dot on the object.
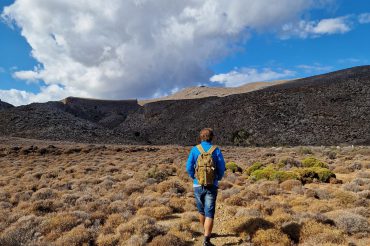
(255, 166)
(233, 167)
(282, 176)
(308, 174)
(270, 173)
(313, 162)
(261, 174)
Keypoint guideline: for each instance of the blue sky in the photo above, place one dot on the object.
(313, 40)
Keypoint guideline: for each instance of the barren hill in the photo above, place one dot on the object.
(5, 105)
(329, 109)
(204, 91)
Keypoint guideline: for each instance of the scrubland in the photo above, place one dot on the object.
(77, 194)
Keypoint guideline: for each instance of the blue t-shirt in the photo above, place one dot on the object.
(217, 158)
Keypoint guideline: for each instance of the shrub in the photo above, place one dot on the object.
(281, 176)
(223, 185)
(170, 186)
(307, 175)
(349, 222)
(270, 237)
(44, 193)
(355, 185)
(107, 239)
(229, 192)
(268, 188)
(140, 225)
(345, 198)
(248, 225)
(233, 167)
(290, 184)
(132, 186)
(176, 204)
(331, 154)
(43, 207)
(22, 232)
(255, 166)
(323, 194)
(112, 222)
(156, 212)
(305, 151)
(270, 173)
(168, 240)
(288, 162)
(60, 222)
(313, 162)
(236, 201)
(365, 175)
(77, 236)
(315, 233)
(157, 174)
(264, 173)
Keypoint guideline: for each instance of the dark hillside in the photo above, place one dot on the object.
(329, 109)
(5, 105)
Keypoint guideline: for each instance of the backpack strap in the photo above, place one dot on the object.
(200, 148)
(211, 149)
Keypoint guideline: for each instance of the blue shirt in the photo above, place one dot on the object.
(217, 158)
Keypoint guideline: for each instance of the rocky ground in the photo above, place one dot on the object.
(64, 193)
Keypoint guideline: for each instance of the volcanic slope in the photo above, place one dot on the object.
(329, 109)
(5, 105)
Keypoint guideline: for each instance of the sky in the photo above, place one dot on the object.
(52, 49)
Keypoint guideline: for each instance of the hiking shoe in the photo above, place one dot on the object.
(208, 243)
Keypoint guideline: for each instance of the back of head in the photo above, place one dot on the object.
(206, 134)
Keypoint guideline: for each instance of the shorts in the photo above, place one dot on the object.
(205, 198)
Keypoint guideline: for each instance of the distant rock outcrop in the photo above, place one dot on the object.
(204, 91)
(109, 113)
(5, 105)
(329, 109)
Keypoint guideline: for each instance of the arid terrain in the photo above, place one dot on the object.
(60, 193)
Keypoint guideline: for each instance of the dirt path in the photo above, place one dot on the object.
(220, 235)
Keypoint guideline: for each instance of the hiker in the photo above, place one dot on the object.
(206, 166)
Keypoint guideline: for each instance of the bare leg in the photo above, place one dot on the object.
(202, 219)
(208, 225)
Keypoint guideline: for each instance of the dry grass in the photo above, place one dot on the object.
(139, 195)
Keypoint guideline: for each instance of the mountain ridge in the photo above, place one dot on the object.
(328, 109)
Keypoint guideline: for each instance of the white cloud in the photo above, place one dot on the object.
(137, 48)
(313, 29)
(246, 75)
(364, 18)
(315, 68)
(47, 93)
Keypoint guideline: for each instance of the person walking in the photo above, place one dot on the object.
(206, 166)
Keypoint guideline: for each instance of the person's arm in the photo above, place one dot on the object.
(190, 164)
(220, 162)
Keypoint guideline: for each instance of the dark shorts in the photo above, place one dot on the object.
(206, 200)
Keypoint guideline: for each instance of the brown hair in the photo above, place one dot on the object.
(206, 134)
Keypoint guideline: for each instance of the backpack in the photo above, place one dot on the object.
(206, 169)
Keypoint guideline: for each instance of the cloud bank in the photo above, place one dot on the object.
(137, 48)
(241, 76)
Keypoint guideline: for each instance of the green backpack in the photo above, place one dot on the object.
(205, 170)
